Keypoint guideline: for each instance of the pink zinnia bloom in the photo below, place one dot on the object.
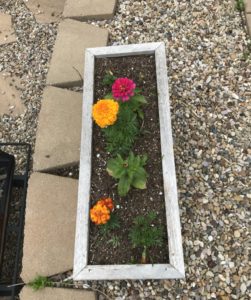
(123, 89)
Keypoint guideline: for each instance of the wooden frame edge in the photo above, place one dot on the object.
(83, 271)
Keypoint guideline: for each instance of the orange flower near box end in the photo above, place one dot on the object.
(107, 202)
(105, 112)
(100, 213)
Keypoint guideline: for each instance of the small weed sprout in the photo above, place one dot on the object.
(109, 79)
(240, 5)
(115, 241)
(112, 224)
(40, 282)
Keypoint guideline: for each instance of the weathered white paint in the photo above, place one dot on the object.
(110, 272)
(83, 271)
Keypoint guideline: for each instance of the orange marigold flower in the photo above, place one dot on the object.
(105, 112)
(107, 202)
(100, 214)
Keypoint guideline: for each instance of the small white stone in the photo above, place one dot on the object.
(237, 233)
(243, 288)
(222, 278)
(210, 274)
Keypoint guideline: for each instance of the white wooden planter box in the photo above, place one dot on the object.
(175, 267)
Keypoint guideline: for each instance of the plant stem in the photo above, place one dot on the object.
(143, 257)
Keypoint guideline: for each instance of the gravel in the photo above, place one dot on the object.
(28, 60)
(210, 92)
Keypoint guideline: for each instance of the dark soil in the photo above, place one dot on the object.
(137, 202)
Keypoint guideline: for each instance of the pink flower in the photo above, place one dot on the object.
(123, 89)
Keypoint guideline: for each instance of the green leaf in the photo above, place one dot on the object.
(140, 114)
(131, 159)
(137, 91)
(139, 179)
(112, 224)
(139, 98)
(139, 183)
(129, 172)
(143, 160)
(124, 185)
(108, 96)
(145, 233)
(40, 282)
(109, 78)
(115, 167)
(121, 136)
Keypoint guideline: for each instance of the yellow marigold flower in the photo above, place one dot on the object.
(105, 112)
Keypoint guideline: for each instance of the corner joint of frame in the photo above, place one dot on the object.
(180, 272)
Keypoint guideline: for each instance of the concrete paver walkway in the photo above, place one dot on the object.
(67, 63)
(248, 14)
(59, 129)
(49, 226)
(86, 10)
(7, 33)
(56, 294)
(46, 11)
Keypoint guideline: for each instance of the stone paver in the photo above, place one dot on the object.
(7, 33)
(10, 96)
(86, 9)
(59, 129)
(248, 18)
(46, 11)
(67, 63)
(49, 226)
(56, 294)
(248, 6)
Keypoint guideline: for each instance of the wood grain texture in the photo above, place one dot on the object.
(83, 271)
(130, 272)
(168, 165)
(82, 223)
(124, 50)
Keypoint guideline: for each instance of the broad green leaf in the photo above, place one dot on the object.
(131, 159)
(124, 185)
(139, 179)
(139, 182)
(139, 98)
(115, 168)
